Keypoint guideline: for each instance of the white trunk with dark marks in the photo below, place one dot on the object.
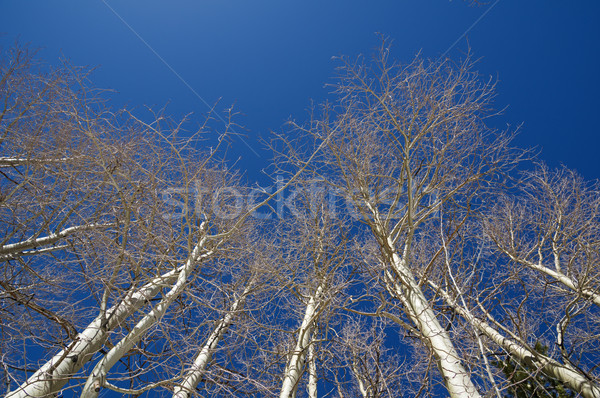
(297, 360)
(196, 371)
(53, 375)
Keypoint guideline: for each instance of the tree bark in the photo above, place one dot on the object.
(96, 379)
(198, 368)
(575, 380)
(456, 377)
(51, 377)
(295, 366)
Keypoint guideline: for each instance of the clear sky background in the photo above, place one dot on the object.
(270, 57)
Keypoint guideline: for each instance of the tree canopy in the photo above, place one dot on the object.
(406, 247)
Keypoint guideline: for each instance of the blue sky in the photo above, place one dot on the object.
(269, 58)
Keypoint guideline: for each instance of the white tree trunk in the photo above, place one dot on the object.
(295, 366)
(96, 379)
(55, 373)
(456, 377)
(364, 390)
(196, 371)
(563, 279)
(312, 372)
(12, 249)
(575, 380)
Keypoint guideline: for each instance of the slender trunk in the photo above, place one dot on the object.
(14, 162)
(12, 249)
(456, 377)
(295, 366)
(196, 371)
(55, 373)
(96, 379)
(589, 294)
(364, 390)
(312, 372)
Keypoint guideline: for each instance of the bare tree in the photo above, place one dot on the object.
(367, 366)
(403, 140)
(87, 227)
(313, 263)
(546, 237)
(130, 264)
(52, 197)
(501, 303)
(552, 230)
(109, 234)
